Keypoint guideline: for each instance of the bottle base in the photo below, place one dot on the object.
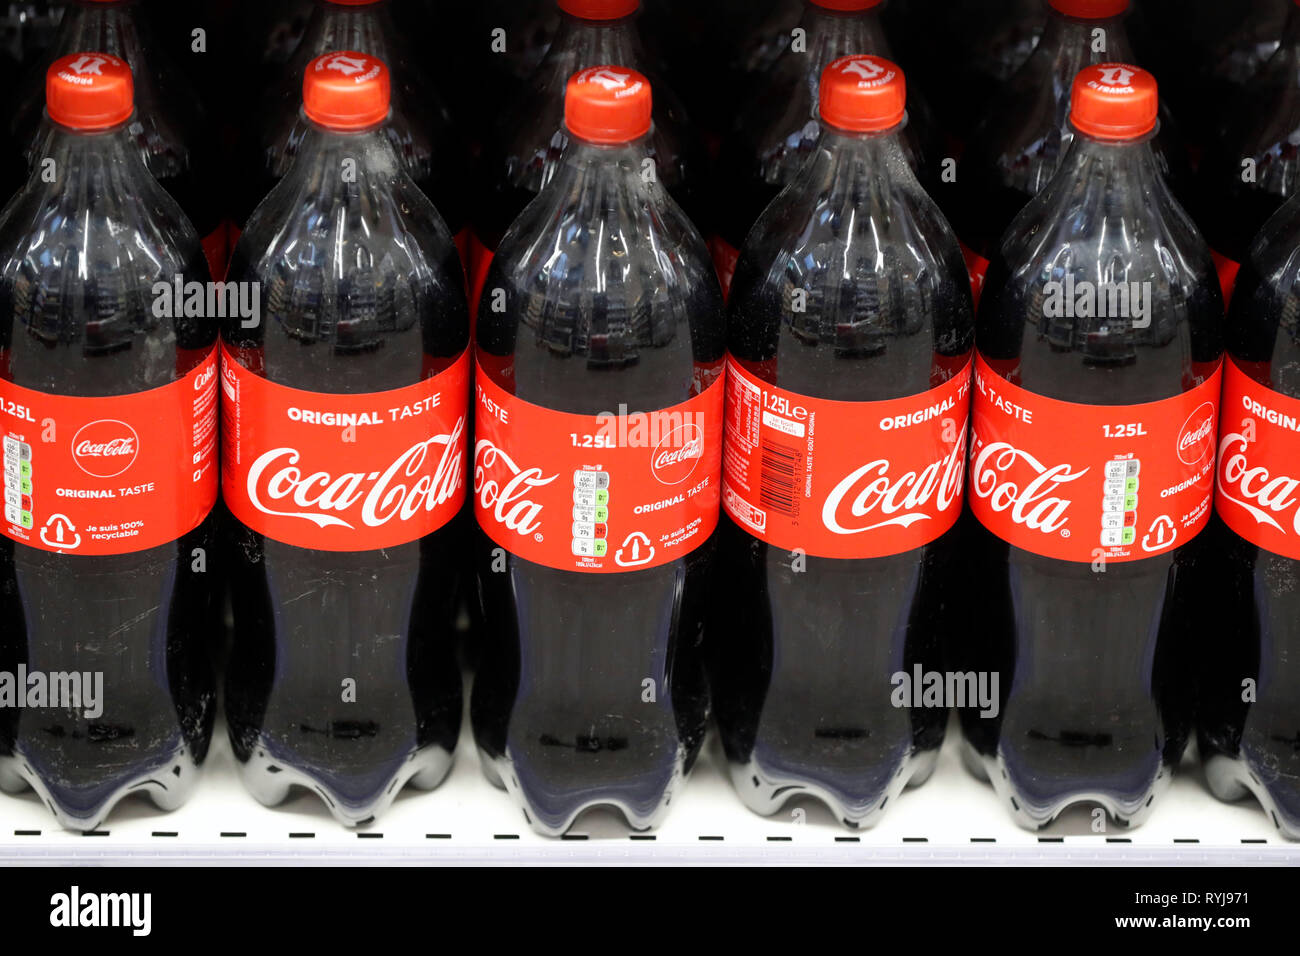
(169, 784)
(270, 781)
(1232, 780)
(765, 792)
(1035, 815)
(565, 809)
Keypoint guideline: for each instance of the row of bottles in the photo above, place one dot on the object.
(482, 153)
(637, 545)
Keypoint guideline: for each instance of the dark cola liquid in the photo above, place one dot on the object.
(1095, 669)
(1251, 741)
(557, 706)
(801, 659)
(306, 621)
(76, 320)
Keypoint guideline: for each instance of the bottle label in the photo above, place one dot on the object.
(343, 472)
(216, 249)
(480, 263)
(110, 475)
(844, 479)
(725, 259)
(1092, 483)
(598, 493)
(1259, 464)
(1227, 270)
(978, 269)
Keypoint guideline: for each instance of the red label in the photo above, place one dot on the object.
(844, 479)
(480, 261)
(464, 243)
(343, 472)
(1259, 464)
(725, 258)
(978, 268)
(601, 493)
(110, 475)
(216, 248)
(1088, 482)
(1227, 270)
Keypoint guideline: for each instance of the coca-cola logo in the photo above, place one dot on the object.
(204, 378)
(277, 484)
(230, 382)
(869, 70)
(870, 491)
(88, 63)
(1254, 488)
(346, 63)
(106, 448)
(676, 457)
(508, 503)
(1115, 75)
(607, 77)
(1013, 480)
(1196, 438)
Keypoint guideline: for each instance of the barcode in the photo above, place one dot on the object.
(778, 487)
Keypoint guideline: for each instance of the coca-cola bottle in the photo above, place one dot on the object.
(1249, 706)
(170, 126)
(344, 417)
(850, 337)
(109, 422)
(599, 442)
(1018, 146)
(761, 41)
(1254, 166)
(529, 26)
(531, 136)
(776, 128)
(420, 126)
(1099, 338)
(1206, 52)
(964, 52)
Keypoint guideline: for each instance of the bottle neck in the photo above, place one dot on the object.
(832, 34)
(1123, 177)
(869, 158)
(334, 153)
(1074, 43)
(596, 180)
(333, 27)
(584, 158)
(581, 43)
(114, 28)
(81, 158)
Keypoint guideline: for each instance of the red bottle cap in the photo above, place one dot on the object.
(346, 91)
(864, 94)
(89, 91)
(1090, 9)
(599, 9)
(1114, 101)
(847, 6)
(607, 104)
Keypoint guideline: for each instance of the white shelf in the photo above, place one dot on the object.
(952, 818)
